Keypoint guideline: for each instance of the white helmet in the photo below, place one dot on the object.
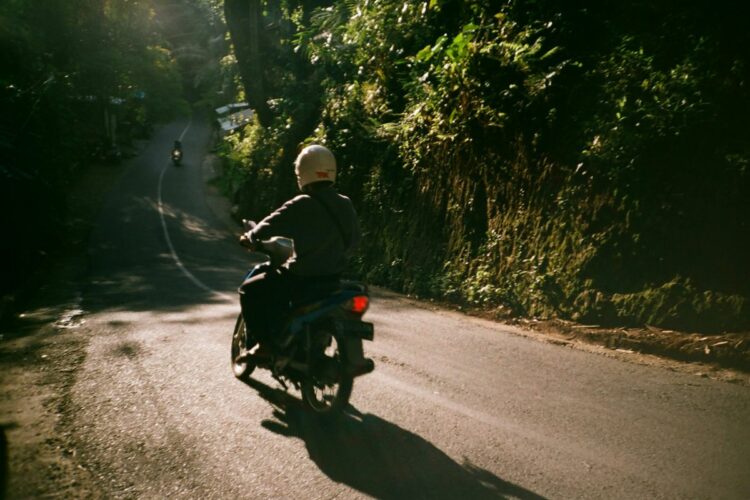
(314, 164)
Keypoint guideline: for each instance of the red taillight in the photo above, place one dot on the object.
(360, 303)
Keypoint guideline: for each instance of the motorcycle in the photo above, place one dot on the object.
(176, 157)
(319, 348)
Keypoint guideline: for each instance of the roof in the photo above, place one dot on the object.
(236, 120)
(231, 107)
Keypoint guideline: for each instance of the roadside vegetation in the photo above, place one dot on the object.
(81, 82)
(542, 159)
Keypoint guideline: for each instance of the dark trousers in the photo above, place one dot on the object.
(265, 298)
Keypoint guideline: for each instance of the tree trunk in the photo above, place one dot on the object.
(243, 20)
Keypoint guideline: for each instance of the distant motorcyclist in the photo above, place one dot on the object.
(177, 152)
(324, 227)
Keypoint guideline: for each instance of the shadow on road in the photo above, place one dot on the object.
(3, 462)
(379, 458)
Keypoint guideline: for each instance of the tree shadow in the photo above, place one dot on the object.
(380, 458)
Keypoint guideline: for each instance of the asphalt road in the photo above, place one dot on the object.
(456, 408)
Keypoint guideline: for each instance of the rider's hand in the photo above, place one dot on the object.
(245, 242)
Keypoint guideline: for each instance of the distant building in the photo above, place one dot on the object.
(230, 119)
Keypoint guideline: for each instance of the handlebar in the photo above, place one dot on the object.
(248, 225)
(245, 242)
(278, 248)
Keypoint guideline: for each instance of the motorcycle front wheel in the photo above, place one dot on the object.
(326, 391)
(241, 369)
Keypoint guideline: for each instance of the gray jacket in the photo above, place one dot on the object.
(320, 249)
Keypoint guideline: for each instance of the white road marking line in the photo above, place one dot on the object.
(184, 131)
(175, 257)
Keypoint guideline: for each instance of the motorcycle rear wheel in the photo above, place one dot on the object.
(241, 369)
(327, 390)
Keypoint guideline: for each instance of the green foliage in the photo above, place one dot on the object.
(555, 159)
(680, 305)
(66, 66)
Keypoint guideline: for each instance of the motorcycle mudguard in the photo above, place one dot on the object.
(356, 362)
(354, 328)
(319, 310)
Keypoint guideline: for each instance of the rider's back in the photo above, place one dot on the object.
(324, 227)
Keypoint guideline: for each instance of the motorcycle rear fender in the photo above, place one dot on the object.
(326, 307)
(355, 361)
(357, 364)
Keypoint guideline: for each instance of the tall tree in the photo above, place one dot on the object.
(244, 22)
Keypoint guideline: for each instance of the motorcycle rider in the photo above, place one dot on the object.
(177, 151)
(324, 227)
